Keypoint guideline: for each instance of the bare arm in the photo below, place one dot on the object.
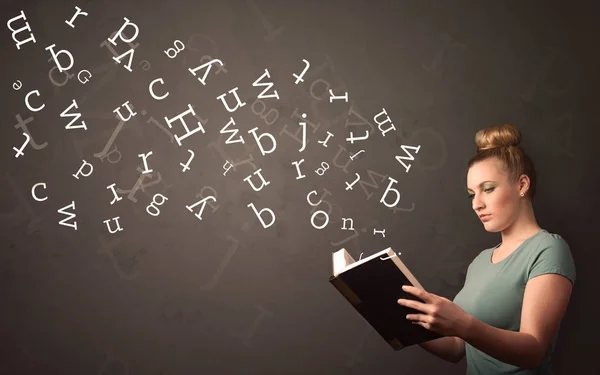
(450, 348)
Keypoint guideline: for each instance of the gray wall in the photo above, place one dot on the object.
(173, 294)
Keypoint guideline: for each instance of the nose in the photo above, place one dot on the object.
(477, 203)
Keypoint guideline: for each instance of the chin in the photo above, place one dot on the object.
(491, 228)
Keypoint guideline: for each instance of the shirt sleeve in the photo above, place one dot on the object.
(553, 256)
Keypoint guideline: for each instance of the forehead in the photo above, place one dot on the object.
(486, 170)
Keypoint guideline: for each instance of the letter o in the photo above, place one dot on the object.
(312, 219)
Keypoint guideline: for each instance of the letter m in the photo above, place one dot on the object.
(24, 28)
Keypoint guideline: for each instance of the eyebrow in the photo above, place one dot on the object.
(480, 184)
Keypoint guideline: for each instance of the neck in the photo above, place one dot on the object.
(523, 227)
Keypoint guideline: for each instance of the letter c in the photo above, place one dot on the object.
(308, 198)
(152, 91)
(29, 105)
(33, 192)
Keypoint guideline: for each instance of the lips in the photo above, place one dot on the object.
(484, 217)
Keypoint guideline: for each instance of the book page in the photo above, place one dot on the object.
(387, 251)
(342, 255)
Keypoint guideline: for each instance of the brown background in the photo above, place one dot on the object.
(172, 294)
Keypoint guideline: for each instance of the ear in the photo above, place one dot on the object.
(524, 183)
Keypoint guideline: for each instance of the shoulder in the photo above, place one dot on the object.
(552, 237)
(551, 254)
(550, 243)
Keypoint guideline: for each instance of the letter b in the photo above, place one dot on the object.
(387, 190)
(251, 205)
(259, 142)
(55, 57)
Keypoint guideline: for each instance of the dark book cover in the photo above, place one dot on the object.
(374, 288)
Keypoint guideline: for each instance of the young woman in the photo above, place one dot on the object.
(507, 316)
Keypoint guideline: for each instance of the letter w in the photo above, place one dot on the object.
(409, 157)
(233, 131)
(69, 214)
(76, 116)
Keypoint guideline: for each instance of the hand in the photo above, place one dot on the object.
(439, 314)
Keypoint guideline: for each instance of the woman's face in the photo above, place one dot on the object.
(491, 194)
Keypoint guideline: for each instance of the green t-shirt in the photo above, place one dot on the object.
(493, 294)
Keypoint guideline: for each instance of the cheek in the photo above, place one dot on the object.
(503, 203)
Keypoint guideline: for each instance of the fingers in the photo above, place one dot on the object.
(423, 324)
(420, 319)
(413, 304)
(417, 317)
(416, 292)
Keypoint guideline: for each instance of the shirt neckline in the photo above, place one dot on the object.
(514, 251)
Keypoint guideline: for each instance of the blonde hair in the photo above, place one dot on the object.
(502, 142)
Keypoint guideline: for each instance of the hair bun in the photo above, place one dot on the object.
(505, 135)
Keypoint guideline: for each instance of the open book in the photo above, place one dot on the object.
(373, 285)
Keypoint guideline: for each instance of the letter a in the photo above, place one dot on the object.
(69, 216)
